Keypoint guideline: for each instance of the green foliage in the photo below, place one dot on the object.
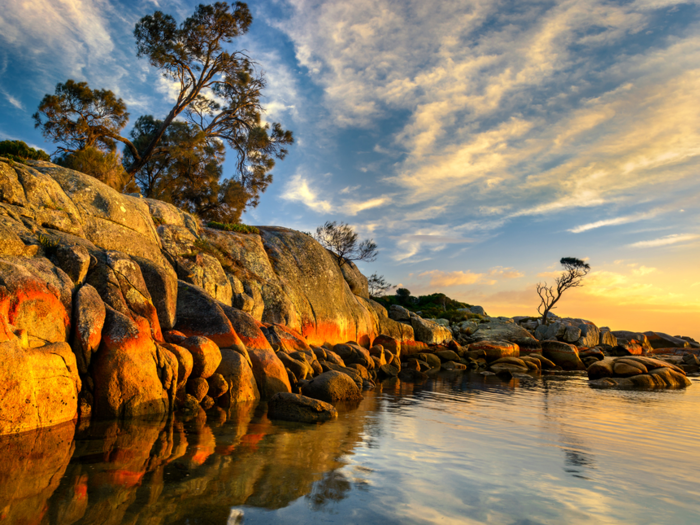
(436, 306)
(78, 117)
(19, 151)
(105, 167)
(342, 240)
(238, 228)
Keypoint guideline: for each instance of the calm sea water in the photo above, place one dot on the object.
(460, 448)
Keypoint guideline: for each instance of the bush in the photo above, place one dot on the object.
(238, 228)
(105, 167)
(19, 151)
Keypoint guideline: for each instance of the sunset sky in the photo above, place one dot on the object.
(477, 142)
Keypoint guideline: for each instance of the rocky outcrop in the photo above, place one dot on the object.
(295, 407)
(637, 373)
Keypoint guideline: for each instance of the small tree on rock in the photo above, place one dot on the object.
(341, 240)
(378, 285)
(572, 277)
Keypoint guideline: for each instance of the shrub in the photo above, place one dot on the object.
(19, 151)
(105, 167)
(238, 228)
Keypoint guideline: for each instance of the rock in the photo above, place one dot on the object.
(607, 337)
(30, 301)
(206, 355)
(468, 327)
(239, 376)
(601, 369)
(287, 339)
(38, 386)
(389, 343)
(399, 313)
(563, 355)
(295, 407)
(356, 281)
(270, 374)
(332, 386)
(207, 273)
(161, 282)
(352, 353)
(661, 340)
(496, 330)
(496, 349)
(249, 331)
(571, 334)
(623, 368)
(300, 368)
(89, 317)
(432, 360)
(412, 376)
(545, 363)
(10, 243)
(74, 260)
(478, 310)
(125, 371)
(550, 331)
(353, 373)
(452, 365)
(590, 335)
(109, 219)
(197, 387)
(200, 314)
(624, 336)
(217, 386)
(387, 371)
(429, 332)
(207, 403)
(185, 363)
(120, 283)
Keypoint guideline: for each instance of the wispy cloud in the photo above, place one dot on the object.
(665, 241)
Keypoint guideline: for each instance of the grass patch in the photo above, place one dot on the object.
(238, 228)
(48, 244)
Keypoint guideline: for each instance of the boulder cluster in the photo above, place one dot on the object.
(115, 306)
(619, 359)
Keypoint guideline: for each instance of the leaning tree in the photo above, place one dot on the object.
(572, 277)
(342, 240)
(219, 94)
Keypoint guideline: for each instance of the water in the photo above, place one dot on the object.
(460, 448)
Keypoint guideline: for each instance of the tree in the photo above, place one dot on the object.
(79, 117)
(403, 294)
(378, 285)
(219, 93)
(572, 277)
(341, 240)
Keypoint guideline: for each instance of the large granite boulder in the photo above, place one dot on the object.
(200, 314)
(356, 281)
(332, 386)
(497, 330)
(563, 355)
(494, 350)
(161, 283)
(661, 340)
(429, 332)
(238, 373)
(127, 371)
(626, 336)
(38, 386)
(636, 372)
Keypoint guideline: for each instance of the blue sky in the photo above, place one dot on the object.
(477, 142)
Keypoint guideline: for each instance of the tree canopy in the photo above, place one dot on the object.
(342, 240)
(218, 105)
(378, 285)
(572, 277)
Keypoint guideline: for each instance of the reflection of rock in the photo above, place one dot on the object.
(31, 467)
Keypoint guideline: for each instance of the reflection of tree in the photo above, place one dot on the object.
(333, 487)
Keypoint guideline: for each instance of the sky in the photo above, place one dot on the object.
(477, 142)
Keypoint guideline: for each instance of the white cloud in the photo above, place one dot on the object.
(665, 241)
(298, 189)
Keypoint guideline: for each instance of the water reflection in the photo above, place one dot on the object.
(457, 448)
